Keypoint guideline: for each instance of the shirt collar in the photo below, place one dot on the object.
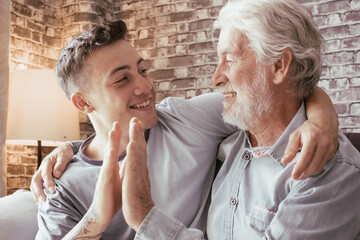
(278, 149)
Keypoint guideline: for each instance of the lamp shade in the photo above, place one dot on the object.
(38, 108)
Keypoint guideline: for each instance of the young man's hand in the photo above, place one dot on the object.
(107, 197)
(317, 137)
(137, 201)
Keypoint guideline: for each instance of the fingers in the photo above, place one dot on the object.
(46, 173)
(37, 187)
(112, 151)
(137, 148)
(304, 160)
(136, 132)
(292, 148)
(322, 153)
(137, 201)
(62, 159)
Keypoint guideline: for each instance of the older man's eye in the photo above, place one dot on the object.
(144, 71)
(229, 63)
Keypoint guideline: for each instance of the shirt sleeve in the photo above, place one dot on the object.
(56, 216)
(203, 113)
(75, 145)
(322, 207)
(158, 225)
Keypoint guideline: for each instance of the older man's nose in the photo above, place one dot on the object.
(219, 77)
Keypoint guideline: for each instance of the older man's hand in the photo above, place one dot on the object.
(136, 194)
(53, 165)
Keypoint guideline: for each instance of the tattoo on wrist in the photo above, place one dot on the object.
(85, 232)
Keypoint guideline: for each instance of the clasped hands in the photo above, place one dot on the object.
(128, 187)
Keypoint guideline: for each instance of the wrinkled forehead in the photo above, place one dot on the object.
(231, 40)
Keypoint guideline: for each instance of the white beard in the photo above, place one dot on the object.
(251, 105)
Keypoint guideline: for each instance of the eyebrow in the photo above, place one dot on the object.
(124, 67)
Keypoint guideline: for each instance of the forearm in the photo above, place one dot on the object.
(90, 227)
(320, 110)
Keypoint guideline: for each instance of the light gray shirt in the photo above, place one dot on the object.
(182, 151)
(254, 196)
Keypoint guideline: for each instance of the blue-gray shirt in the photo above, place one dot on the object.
(182, 150)
(254, 196)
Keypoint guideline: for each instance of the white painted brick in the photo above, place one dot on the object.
(190, 94)
(324, 84)
(143, 33)
(334, 19)
(181, 72)
(202, 14)
(50, 31)
(355, 109)
(85, 7)
(343, 83)
(181, 49)
(218, 2)
(164, 86)
(162, 41)
(355, 82)
(200, 37)
(161, 63)
(144, 54)
(181, 7)
(355, 4)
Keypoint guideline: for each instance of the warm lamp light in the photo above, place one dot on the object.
(38, 109)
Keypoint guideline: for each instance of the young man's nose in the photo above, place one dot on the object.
(142, 85)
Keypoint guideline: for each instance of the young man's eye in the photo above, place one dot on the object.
(121, 79)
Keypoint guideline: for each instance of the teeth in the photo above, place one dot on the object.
(231, 94)
(140, 105)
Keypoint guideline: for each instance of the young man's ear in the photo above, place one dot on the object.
(281, 67)
(81, 103)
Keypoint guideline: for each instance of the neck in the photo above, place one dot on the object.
(96, 149)
(270, 130)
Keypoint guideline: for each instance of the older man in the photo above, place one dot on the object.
(270, 60)
(112, 84)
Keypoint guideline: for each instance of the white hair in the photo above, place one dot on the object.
(273, 26)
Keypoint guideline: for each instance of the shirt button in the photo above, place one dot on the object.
(233, 201)
(247, 156)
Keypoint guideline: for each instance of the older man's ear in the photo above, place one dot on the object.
(281, 67)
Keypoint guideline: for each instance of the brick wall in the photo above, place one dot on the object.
(339, 23)
(177, 40)
(21, 165)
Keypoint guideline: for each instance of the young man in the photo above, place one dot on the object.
(270, 60)
(105, 77)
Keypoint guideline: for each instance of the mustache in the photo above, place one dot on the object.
(225, 88)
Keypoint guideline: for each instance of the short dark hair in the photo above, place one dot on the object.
(71, 60)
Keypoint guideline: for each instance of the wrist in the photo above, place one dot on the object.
(70, 146)
(95, 218)
(141, 216)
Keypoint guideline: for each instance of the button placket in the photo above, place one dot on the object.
(247, 155)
